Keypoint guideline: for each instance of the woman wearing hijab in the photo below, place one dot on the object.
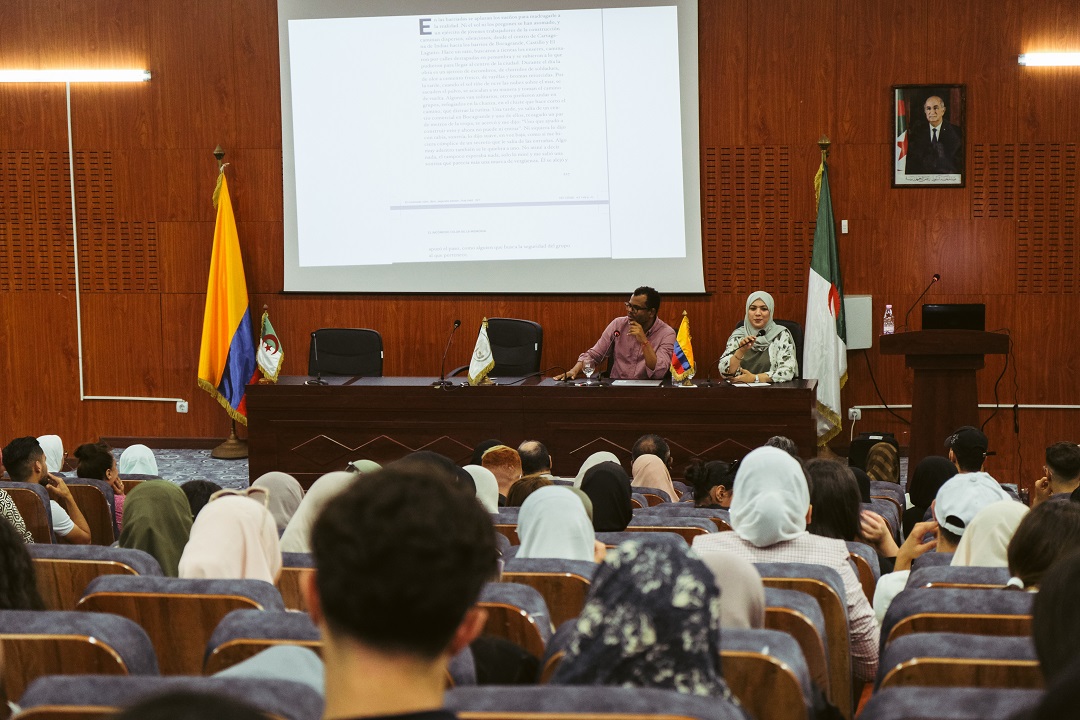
(930, 474)
(742, 594)
(54, 452)
(769, 515)
(883, 463)
(284, 495)
(652, 620)
(553, 524)
(651, 472)
(760, 350)
(487, 487)
(157, 520)
(591, 462)
(608, 486)
(138, 460)
(297, 535)
(985, 542)
(234, 538)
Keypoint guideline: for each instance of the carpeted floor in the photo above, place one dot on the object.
(180, 466)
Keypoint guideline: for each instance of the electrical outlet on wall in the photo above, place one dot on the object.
(181, 406)
(854, 414)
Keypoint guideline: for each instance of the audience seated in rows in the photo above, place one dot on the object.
(553, 524)
(769, 515)
(297, 535)
(138, 460)
(198, 493)
(883, 463)
(650, 473)
(10, 512)
(593, 460)
(608, 487)
(487, 487)
(650, 444)
(234, 537)
(505, 464)
(526, 486)
(1062, 473)
(535, 458)
(284, 495)
(96, 462)
(25, 462)
(930, 474)
(157, 520)
(1047, 533)
(713, 482)
(18, 585)
(55, 456)
(781, 442)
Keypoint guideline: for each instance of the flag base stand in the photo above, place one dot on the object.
(232, 449)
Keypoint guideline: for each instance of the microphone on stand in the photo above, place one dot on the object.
(315, 351)
(610, 351)
(932, 281)
(442, 381)
(708, 380)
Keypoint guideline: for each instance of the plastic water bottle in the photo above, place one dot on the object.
(888, 326)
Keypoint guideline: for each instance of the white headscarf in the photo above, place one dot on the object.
(487, 487)
(595, 459)
(651, 472)
(138, 460)
(771, 498)
(553, 524)
(54, 452)
(985, 542)
(234, 538)
(297, 535)
(285, 496)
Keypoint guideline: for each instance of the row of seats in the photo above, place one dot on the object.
(95, 499)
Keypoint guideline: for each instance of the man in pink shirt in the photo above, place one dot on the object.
(641, 342)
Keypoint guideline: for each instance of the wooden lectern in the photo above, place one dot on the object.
(945, 395)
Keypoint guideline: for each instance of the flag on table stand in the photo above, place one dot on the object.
(901, 133)
(683, 367)
(270, 355)
(482, 360)
(825, 341)
(227, 352)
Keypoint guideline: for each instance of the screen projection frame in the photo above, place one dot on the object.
(553, 276)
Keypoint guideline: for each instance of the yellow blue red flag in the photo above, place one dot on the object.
(227, 351)
(682, 355)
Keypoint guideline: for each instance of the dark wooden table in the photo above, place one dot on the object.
(309, 430)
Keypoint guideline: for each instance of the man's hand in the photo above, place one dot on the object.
(1043, 491)
(914, 547)
(875, 531)
(637, 332)
(599, 551)
(58, 490)
(569, 374)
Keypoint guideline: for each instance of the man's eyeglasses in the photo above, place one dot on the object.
(635, 308)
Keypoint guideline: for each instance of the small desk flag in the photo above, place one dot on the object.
(482, 361)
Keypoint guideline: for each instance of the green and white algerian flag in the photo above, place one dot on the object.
(825, 339)
(482, 360)
(269, 356)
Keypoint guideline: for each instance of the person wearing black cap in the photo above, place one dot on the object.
(967, 449)
(1061, 473)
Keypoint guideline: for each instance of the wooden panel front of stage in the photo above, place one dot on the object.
(307, 430)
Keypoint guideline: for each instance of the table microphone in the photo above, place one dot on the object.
(908, 313)
(611, 351)
(318, 372)
(716, 365)
(442, 381)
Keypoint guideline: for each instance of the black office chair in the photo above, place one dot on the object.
(515, 346)
(796, 336)
(346, 351)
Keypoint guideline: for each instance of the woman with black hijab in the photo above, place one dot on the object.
(930, 474)
(608, 486)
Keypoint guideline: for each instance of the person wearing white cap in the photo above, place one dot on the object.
(958, 502)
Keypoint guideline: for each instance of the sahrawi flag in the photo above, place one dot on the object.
(682, 355)
(825, 341)
(482, 361)
(270, 355)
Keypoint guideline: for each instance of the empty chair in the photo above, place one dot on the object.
(33, 503)
(549, 702)
(178, 615)
(685, 527)
(947, 576)
(97, 502)
(345, 351)
(977, 612)
(948, 703)
(564, 584)
(766, 671)
(957, 660)
(799, 616)
(517, 613)
(244, 633)
(64, 571)
(46, 642)
(516, 346)
(58, 698)
(294, 568)
(825, 586)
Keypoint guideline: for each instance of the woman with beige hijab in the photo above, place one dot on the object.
(297, 535)
(234, 538)
(649, 471)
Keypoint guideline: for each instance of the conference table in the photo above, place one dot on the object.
(308, 430)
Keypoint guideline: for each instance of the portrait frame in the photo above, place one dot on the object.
(918, 160)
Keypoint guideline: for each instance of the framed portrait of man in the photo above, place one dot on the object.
(929, 135)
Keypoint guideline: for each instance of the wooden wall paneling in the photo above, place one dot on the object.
(136, 188)
(187, 179)
(980, 47)
(261, 244)
(114, 115)
(877, 256)
(976, 257)
(1048, 359)
(195, 82)
(255, 183)
(122, 352)
(184, 250)
(34, 114)
(792, 75)
(723, 59)
(255, 62)
(1047, 238)
(1048, 109)
(90, 34)
(879, 44)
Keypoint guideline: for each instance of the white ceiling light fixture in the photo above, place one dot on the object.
(73, 76)
(1050, 59)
